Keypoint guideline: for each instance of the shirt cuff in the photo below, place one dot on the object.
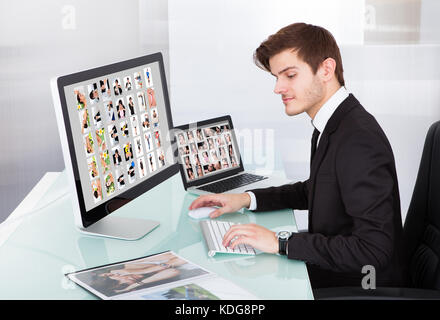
(253, 204)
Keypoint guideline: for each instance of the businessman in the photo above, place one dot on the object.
(352, 193)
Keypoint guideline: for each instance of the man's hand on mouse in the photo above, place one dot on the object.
(227, 202)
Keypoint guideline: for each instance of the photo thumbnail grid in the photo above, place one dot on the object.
(207, 150)
(120, 127)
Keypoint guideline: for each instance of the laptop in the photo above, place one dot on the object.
(210, 160)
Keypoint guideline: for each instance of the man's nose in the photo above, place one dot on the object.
(280, 88)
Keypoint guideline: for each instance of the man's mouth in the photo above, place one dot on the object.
(287, 99)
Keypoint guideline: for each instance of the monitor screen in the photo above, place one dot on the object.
(207, 150)
(117, 120)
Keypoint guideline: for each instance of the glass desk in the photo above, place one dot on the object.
(46, 245)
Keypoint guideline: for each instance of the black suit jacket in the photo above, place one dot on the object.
(353, 200)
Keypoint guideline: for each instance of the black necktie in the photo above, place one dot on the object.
(314, 144)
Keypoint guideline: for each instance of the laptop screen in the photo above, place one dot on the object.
(208, 150)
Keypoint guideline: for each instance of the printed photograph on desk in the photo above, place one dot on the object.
(189, 291)
(163, 276)
(110, 281)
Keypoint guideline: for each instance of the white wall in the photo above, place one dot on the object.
(212, 74)
(46, 38)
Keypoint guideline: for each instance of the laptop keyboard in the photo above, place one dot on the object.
(231, 183)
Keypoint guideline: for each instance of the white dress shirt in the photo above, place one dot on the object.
(319, 122)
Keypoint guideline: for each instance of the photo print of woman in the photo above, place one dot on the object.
(96, 190)
(117, 89)
(81, 102)
(151, 98)
(88, 144)
(93, 93)
(100, 139)
(106, 93)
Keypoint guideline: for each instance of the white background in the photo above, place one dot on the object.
(208, 47)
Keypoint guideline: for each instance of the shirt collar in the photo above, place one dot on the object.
(327, 109)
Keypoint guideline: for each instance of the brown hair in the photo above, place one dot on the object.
(312, 44)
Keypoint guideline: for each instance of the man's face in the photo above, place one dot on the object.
(300, 89)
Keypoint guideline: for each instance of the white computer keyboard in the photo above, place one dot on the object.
(213, 231)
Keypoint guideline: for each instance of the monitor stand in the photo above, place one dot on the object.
(121, 228)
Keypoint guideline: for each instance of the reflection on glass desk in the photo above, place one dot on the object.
(46, 245)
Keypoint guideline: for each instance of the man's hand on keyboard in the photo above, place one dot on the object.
(227, 202)
(252, 234)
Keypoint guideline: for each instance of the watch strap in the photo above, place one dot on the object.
(282, 246)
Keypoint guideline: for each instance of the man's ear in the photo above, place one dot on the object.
(327, 69)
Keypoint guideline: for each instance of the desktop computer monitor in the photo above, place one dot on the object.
(114, 123)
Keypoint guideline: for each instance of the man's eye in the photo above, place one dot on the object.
(290, 76)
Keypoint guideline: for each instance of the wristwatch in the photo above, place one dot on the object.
(283, 237)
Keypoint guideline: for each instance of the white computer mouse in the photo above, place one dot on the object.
(201, 213)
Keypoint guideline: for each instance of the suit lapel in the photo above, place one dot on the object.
(341, 111)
